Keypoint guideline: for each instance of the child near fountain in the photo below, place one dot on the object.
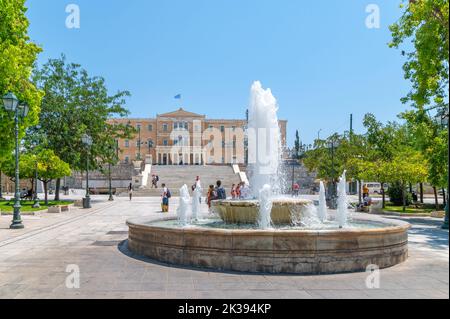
(165, 199)
(211, 195)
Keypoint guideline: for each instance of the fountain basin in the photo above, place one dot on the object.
(247, 211)
(273, 251)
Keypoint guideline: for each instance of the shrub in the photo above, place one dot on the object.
(395, 193)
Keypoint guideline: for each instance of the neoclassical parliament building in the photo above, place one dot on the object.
(175, 138)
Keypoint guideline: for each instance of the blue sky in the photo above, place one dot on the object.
(318, 57)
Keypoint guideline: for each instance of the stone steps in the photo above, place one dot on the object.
(176, 176)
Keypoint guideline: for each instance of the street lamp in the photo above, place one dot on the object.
(87, 140)
(11, 104)
(111, 198)
(332, 190)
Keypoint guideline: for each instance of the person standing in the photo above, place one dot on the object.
(165, 199)
(296, 190)
(233, 191)
(365, 191)
(238, 190)
(211, 195)
(245, 191)
(130, 191)
(220, 191)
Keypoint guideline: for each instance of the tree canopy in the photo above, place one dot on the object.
(17, 57)
(76, 104)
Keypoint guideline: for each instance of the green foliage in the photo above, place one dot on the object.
(332, 156)
(50, 166)
(297, 144)
(395, 192)
(425, 24)
(17, 56)
(77, 104)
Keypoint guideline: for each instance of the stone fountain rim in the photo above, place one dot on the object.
(394, 226)
(255, 202)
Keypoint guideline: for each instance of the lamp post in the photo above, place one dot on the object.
(111, 198)
(11, 104)
(332, 195)
(87, 141)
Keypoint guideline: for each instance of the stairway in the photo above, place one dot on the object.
(176, 176)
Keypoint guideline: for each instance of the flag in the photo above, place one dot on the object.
(177, 97)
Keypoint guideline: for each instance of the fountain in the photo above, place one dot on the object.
(323, 214)
(342, 209)
(196, 200)
(183, 207)
(270, 232)
(265, 151)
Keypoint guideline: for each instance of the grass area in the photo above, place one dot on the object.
(426, 209)
(27, 206)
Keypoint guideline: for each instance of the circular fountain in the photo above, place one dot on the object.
(247, 211)
(269, 232)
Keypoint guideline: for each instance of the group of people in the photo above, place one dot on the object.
(215, 193)
(240, 191)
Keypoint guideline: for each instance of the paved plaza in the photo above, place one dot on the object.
(34, 261)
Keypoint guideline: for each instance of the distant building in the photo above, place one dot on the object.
(179, 138)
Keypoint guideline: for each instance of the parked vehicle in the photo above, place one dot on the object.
(374, 188)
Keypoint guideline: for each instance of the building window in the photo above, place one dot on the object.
(150, 127)
(138, 127)
(150, 143)
(222, 128)
(127, 143)
(165, 128)
(186, 125)
(165, 142)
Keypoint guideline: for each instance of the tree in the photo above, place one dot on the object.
(50, 167)
(297, 145)
(77, 104)
(407, 166)
(425, 23)
(337, 153)
(18, 54)
(431, 139)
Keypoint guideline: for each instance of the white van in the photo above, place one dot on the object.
(374, 188)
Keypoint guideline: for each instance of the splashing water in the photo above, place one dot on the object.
(183, 208)
(323, 213)
(264, 141)
(342, 209)
(265, 207)
(196, 200)
(305, 217)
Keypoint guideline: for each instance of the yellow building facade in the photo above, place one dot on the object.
(186, 138)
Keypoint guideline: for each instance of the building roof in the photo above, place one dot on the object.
(181, 113)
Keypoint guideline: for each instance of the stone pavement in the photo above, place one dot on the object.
(33, 263)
